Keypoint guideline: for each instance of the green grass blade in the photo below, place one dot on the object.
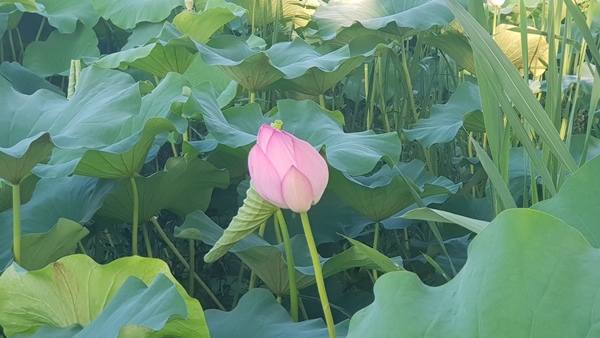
(496, 179)
(506, 75)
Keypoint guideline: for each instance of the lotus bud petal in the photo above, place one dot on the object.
(495, 3)
(286, 170)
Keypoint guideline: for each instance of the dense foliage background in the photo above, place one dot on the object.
(122, 119)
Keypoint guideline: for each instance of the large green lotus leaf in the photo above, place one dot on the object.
(446, 119)
(100, 298)
(235, 127)
(122, 159)
(525, 268)
(353, 153)
(576, 204)
(17, 161)
(38, 250)
(53, 56)
(27, 186)
(127, 14)
(314, 73)
(184, 186)
(25, 81)
(104, 100)
(170, 51)
(201, 26)
(258, 315)
(577, 145)
(385, 193)
(84, 121)
(65, 14)
(199, 72)
(130, 141)
(29, 5)
(3, 22)
(75, 198)
(143, 33)
(402, 18)
(250, 67)
(268, 261)
(510, 43)
(456, 45)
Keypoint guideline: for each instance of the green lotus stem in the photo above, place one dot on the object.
(238, 288)
(496, 12)
(369, 112)
(379, 68)
(192, 271)
(376, 245)
(314, 255)
(12, 46)
(291, 267)
(81, 248)
(322, 100)
(185, 264)
(39, 32)
(147, 240)
(261, 233)
(409, 88)
(16, 195)
(135, 223)
(252, 96)
(21, 46)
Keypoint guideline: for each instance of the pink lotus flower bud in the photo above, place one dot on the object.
(495, 3)
(287, 171)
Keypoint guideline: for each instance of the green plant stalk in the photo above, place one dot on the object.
(382, 104)
(253, 277)
(16, 196)
(192, 271)
(147, 240)
(495, 21)
(135, 216)
(369, 111)
(12, 46)
(39, 32)
(322, 100)
(409, 87)
(314, 255)
(81, 248)
(21, 46)
(376, 245)
(524, 42)
(238, 288)
(252, 97)
(291, 267)
(185, 264)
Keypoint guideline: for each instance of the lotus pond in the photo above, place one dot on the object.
(299, 168)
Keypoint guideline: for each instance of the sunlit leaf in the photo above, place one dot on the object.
(99, 298)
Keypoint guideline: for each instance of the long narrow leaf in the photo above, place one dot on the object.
(513, 85)
(495, 177)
